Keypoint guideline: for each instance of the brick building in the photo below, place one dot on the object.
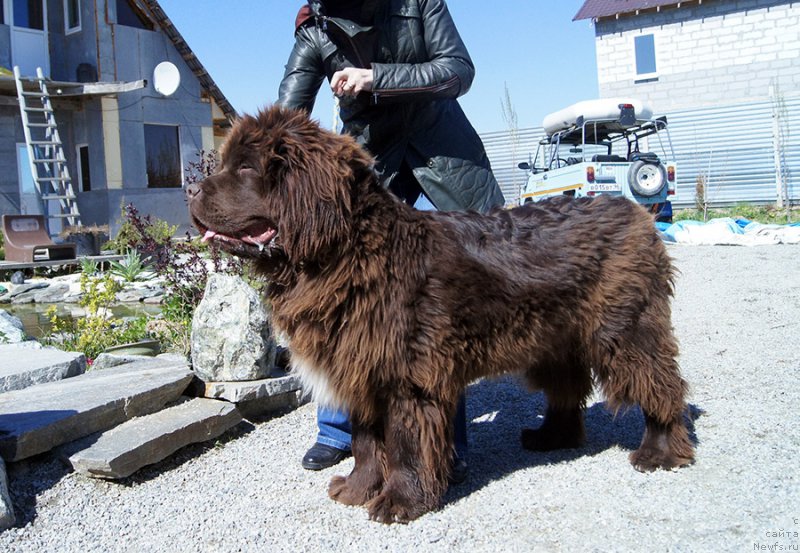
(698, 53)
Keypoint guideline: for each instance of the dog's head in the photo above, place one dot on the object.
(284, 189)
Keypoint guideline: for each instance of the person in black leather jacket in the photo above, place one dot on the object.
(397, 67)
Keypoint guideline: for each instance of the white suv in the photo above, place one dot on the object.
(608, 146)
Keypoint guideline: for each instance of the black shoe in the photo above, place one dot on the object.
(459, 471)
(322, 456)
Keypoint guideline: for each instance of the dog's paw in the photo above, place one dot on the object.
(388, 508)
(341, 489)
(648, 459)
(542, 440)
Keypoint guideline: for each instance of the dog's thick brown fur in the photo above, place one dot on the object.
(391, 312)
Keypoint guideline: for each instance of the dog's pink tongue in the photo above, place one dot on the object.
(262, 238)
(209, 235)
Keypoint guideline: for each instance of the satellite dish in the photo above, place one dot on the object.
(166, 78)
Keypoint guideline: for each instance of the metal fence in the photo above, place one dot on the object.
(742, 153)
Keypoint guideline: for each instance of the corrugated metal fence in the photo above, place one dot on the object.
(744, 153)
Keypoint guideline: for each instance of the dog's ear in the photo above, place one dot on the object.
(314, 182)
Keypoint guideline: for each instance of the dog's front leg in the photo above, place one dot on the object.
(366, 479)
(418, 441)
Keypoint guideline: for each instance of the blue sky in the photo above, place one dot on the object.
(546, 59)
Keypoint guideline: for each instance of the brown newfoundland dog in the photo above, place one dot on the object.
(391, 312)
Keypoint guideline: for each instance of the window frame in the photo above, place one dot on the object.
(67, 29)
(179, 183)
(650, 75)
(13, 14)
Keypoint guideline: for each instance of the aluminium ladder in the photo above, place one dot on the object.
(46, 152)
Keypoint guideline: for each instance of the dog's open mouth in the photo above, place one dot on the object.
(260, 234)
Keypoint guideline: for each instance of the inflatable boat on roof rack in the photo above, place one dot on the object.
(606, 146)
(603, 109)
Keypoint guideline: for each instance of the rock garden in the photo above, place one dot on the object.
(109, 395)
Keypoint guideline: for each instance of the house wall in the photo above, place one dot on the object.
(125, 54)
(68, 51)
(706, 54)
(5, 46)
(184, 109)
(9, 184)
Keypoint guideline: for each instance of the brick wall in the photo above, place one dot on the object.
(717, 51)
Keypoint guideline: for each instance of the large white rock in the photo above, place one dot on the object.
(231, 333)
(11, 330)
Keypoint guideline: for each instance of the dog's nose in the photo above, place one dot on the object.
(192, 190)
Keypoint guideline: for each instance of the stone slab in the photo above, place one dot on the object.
(257, 409)
(37, 419)
(250, 390)
(123, 450)
(22, 367)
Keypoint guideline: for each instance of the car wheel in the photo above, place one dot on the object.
(647, 179)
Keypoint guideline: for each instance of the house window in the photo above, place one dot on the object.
(84, 176)
(162, 149)
(72, 15)
(645, 49)
(131, 16)
(29, 14)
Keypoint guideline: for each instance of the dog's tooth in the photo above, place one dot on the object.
(260, 247)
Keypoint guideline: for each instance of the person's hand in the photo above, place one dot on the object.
(350, 81)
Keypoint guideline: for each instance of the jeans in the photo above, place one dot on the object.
(334, 426)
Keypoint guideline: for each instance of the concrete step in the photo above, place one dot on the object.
(121, 451)
(22, 366)
(38, 418)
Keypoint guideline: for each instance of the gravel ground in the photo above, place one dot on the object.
(737, 315)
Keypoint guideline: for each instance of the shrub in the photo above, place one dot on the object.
(131, 268)
(144, 234)
(767, 214)
(95, 332)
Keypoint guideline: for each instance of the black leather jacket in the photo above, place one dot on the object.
(420, 66)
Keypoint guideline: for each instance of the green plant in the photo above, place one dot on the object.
(131, 267)
(183, 265)
(89, 267)
(175, 336)
(97, 331)
(767, 214)
(142, 233)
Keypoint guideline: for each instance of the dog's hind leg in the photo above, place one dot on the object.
(643, 369)
(418, 454)
(366, 478)
(566, 384)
